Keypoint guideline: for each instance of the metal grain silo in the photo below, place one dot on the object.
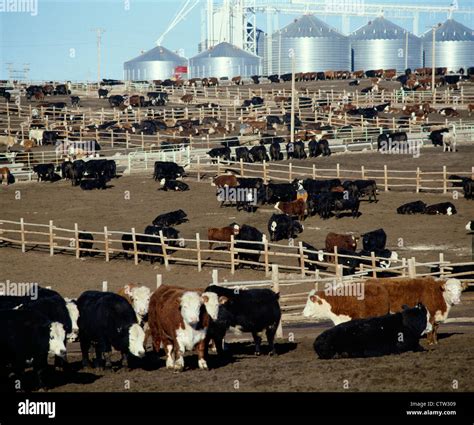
(317, 47)
(158, 63)
(454, 46)
(381, 44)
(224, 60)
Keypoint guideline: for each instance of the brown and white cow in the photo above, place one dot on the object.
(346, 242)
(438, 295)
(222, 234)
(139, 298)
(293, 209)
(225, 180)
(5, 175)
(341, 303)
(178, 320)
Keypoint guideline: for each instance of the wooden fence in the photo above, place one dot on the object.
(108, 244)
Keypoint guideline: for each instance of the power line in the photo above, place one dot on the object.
(99, 32)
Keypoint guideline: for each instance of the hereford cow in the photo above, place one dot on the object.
(226, 180)
(5, 175)
(178, 320)
(222, 234)
(139, 298)
(293, 209)
(437, 295)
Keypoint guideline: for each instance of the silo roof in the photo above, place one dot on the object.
(225, 50)
(380, 29)
(309, 26)
(158, 53)
(451, 30)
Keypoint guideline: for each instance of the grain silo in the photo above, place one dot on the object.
(381, 44)
(454, 46)
(224, 60)
(158, 63)
(316, 45)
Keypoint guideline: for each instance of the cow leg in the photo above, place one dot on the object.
(170, 362)
(202, 351)
(270, 332)
(258, 342)
(85, 345)
(179, 358)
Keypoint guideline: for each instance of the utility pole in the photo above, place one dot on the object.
(433, 67)
(406, 50)
(292, 125)
(99, 32)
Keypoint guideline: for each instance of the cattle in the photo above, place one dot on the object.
(259, 153)
(249, 238)
(171, 218)
(173, 185)
(28, 336)
(6, 176)
(49, 137)
(96, 183)
(438, 295)
(391, 141)
(167, 170)
(354, 83)
(343, 302)
(415, 207)
(446, 208)
(374, 240)
(296, 150)
(313, 186)
(255, 79)
(449, 112)
(387, 255)
(187, 98)
(139, 298)
(341, 241)
(275, 192)
(178, 320)
(361, 188)
(36, 135)
(250, 310)
(281, 226)
(138, 101)
(470, 226)
(250, 182)
(86, 242)
(77, 172)
(275, 152)
(319, 148)
(333, 202)
(75, 101)
(463, 271)
(223, 153)
(44, 172)
(376, 336)
(274, 78)
(243, 153)
(468, 188)
(460, 180)
(436, 136)
(108, 320)
(296, 208)
(116, 100)
(228, 180)
(312, 255)
(222, 234)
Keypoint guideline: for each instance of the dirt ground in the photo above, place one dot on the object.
(296, 368)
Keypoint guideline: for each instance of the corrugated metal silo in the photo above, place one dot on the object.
(317, 47)
(224, 60)
(381, 44)
(158, 63)
(454, 46)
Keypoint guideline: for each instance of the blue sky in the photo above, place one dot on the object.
(59, 42)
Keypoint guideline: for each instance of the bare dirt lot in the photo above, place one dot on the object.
(296, 368)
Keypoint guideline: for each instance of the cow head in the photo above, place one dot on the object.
(452, 290)
(74, 315)
(316, 307)
(57, 335)
(136, 340)
(211, 303)
(470, 226)
(162, 182)
(140, 297)
(190, 307)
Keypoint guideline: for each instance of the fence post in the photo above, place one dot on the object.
(264, 172)
(241, 167)
(362, 172)
(198, 250)
(385, 177)
(106, 244)
(374, 264)
(163, 249)
(159, 280)
(314, 171)
(198, 168)
(76, 236)
(51, 238)
(290, 172)
(22, 229)
(232, 256)
(265, 255)
(441, 266)
(338, 170)
(417, 179)
(301, 251)
(215, 277)
(276, 289)
(411, 267)
(335, 257)
(218, 166)
(104, 286)
(404, 267)
(445, 180)
(134, 241)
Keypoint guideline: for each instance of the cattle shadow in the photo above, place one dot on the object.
(248, 348)
(347, 214)
(446, 335)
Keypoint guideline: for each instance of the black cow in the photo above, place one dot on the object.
(251, 310)
(87, 242)
(315, 255)
(467, 270)
(167, 170)
(108, 320)
(171, 218)
(66, 170)
(326, 203)
(273, 119)
(446, 208)
(249, 238)
(375, 240)
(361, 188)
(275, 152)
(29, 336)
(50, 137)
(459, 183)
(281, 226)
(275, 192)
(379, 253)
(342, 204)
(116, 100)
(78, 170)
(75, 100)
(415, 207)
(99, 183)
(173, 185)
(376, 336)
(255, 79)
(45, 172)
(250, 182)
(354, 83)
(102, 93)
(274, 78)
(436, 136)
(388, 141)
(296, 150)
(468, 188)
(223, 153)
(243, 154)
(151, 244)
(317, 186)
(259, 153)
(319, 148)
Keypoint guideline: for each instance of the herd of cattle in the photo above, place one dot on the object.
(181, 319)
